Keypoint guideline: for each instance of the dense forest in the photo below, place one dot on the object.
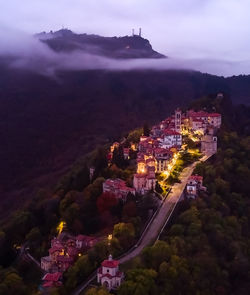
(79, 202)
(47, 123)
(206, 249)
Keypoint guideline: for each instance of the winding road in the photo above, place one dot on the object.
(157, 223)
(164, 214)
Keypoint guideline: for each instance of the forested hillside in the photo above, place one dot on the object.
(206, 250)
(47, 123)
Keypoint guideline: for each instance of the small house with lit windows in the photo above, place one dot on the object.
(194, 185)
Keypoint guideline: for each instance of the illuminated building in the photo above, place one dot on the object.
(108, 275)
(118, 187)
(209, 144)
(194, 185)
(170, 138)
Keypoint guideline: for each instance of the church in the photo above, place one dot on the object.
(108, 275)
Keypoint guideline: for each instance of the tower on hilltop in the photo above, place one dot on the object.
(140, 32)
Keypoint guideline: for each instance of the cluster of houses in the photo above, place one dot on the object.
(64, 251)
(155, 154)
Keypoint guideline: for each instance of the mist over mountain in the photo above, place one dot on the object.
(115, 47)
(69, 199)
(47, 53)
(57, 103)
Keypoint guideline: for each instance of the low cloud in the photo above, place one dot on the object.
(28, 52)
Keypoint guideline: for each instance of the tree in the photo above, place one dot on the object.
(134, 136)
(100, 161)
(146, 130)
(153, 256)
(2, 238)
(11, 283)
(78, 272)
(139, 282)
(81, 179)
(34, 235)
(118, 157)
(158, 188)
(98, 253)
(97, 291)
(125, 233)
(129, 210)
(106, 201)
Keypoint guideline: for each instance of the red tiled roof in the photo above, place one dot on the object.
(150, 160)
(110, 263)
(53, 277)
(118, 184)
(161, 151)
(214, 115)
(196, 177)
(115, 182)
(65, 259)
(72, 251)
(171, 132)
(107, 275)
(198, 114)
(198, 120)
(51, 284)
(55, 248)
(140, 160)
(48, 284)
(144, 143)
(139, 175)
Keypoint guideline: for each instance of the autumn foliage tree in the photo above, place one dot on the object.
(106, 202)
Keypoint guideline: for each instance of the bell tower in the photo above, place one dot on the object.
(177, 120)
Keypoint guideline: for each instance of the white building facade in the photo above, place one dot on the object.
(108, 275)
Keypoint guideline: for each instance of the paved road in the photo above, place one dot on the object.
(163, 214)
(158, 223)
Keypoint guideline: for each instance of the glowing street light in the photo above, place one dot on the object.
(109, 239)
(60, 227)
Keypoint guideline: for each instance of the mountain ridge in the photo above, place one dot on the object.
(123, 47)
(47, 122)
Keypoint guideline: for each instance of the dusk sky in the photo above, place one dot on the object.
(188, 29)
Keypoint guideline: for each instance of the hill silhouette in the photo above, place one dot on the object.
(116, 47)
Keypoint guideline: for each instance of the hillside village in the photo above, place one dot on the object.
(156, 156)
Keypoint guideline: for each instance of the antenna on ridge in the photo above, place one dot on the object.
(140, 32)
(133, 32)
